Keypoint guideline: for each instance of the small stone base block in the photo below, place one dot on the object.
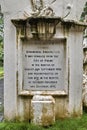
(43, 110)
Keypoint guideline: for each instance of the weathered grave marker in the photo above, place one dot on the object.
(43, 61)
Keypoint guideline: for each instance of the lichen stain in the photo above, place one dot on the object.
(48, 114)
(61, 108)
(32, 113)
(77, 113)
(26, 108)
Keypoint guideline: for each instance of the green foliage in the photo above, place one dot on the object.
(1, 72)
(84, 13)
(1, 28)
(1, 39)
(62, 124)
(19, 126)
(1, 54)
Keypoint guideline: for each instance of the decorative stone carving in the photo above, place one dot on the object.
(39, 9)
(37, 5)
(43, 28)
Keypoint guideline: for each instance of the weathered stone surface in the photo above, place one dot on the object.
(43, 110)
(60, 7)
(16, 96)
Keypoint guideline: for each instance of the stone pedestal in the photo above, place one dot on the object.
(43, 111)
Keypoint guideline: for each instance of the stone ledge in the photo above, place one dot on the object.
(20, 21)
(31, 93)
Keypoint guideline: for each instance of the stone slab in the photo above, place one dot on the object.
(43, 65)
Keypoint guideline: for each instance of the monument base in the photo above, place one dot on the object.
(43, 111)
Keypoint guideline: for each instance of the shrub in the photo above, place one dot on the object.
(1, 54)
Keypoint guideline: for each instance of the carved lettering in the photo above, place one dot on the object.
(43, 69)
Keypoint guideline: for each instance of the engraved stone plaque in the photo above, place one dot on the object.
(44, 64)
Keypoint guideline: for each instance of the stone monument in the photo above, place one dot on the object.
(43, 60)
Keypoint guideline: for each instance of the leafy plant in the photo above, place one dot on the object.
(1, 72)
(1, 39)
(84, 13)
(1, 54)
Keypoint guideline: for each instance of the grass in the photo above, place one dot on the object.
(1, 72)
(63, 124)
